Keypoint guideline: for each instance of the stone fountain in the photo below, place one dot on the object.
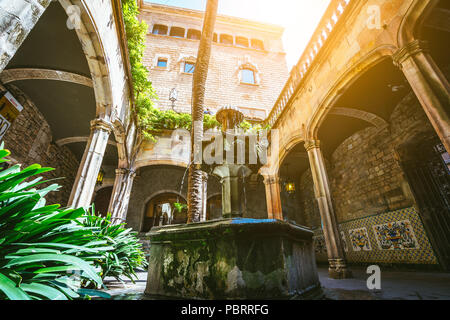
(232, 257)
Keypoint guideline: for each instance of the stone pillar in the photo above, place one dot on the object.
(120, 198)
(336, 256)
(230, 176)
(273, 199)
(429, 84)
(204, 196)
(86, 178)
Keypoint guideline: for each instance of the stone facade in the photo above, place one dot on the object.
(223, 86)
(30, 141)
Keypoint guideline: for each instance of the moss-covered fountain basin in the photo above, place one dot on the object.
(232, 259)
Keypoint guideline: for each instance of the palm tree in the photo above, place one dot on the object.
(195, 183)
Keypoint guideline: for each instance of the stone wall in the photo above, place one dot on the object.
(17, 18)
(154, 180)
(309, 206)
(365, 176)
(30, 141)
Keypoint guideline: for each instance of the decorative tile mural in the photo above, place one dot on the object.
(393, 237)
(360, 239)
(397, 235)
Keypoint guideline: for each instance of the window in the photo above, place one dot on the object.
(160, 29)
(215, 37)
(177, 32)
(226, 39)
(248, 76)
(189, 67)
(257, 44)
(194, 34)
(162, 63)
(242, 42)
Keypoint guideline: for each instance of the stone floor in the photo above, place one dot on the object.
(395, 285)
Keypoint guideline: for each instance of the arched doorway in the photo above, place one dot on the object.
(101, 200)
(164, 209)
(214, 207)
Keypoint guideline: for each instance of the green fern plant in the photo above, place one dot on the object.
(45, 251)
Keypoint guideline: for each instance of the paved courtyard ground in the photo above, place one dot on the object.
(395, 285)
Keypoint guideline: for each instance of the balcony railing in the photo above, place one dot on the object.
(299, 71)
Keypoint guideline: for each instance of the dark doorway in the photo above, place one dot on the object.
(101, 201)
(426, 166)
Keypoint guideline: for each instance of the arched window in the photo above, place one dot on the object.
(248, 76)
(257, 44)
(160, 29)
(164, 209)
(248, 73)
(242, 42)
(194, 34)
(226, 39)
(177, 32)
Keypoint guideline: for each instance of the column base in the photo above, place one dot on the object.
(338, 269)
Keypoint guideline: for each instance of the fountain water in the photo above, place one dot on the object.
(233, 257)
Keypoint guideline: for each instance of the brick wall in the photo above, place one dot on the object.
(30, 141)
(223, 85)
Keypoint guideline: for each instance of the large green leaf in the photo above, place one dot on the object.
(57, 258)
(43, 290)
(9, 288)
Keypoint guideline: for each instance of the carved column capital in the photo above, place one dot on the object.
(271, 180)
(312, 144)
(101, 124)
(411, 49)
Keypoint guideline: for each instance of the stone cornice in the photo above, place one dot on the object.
(411, 49)
(221, 19)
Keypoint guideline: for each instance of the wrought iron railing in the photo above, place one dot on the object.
(299, 71)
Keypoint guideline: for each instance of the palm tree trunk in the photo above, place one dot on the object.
(195, 182)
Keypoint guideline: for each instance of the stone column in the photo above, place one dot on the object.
(120, 198)
(273, 199)
(86, 178)
(336, 256)
(429, 84)
(204, 196)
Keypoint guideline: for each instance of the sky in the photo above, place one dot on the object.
(299, 17)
